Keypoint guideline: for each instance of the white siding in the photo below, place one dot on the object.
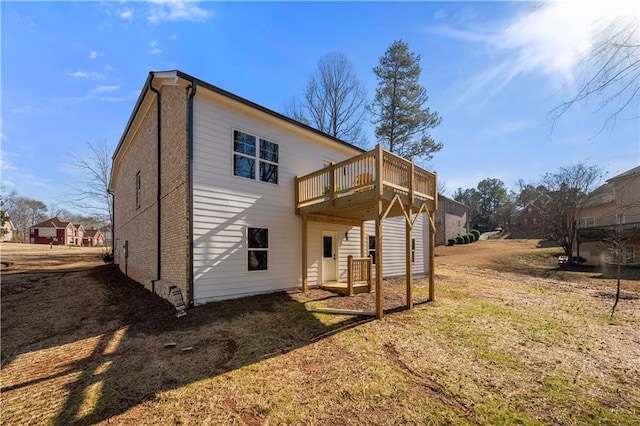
(225, 205)
(393, 245)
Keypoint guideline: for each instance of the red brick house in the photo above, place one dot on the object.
(92, 238)
(54, 230)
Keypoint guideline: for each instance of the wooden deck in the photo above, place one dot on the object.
(371, 186)
(342, 288)
(352, 188)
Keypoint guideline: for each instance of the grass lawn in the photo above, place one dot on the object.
(510, 342)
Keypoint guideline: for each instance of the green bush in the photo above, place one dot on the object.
(465, 238)
(472, 238)
(476, 233)
(459, 240)
(451, 242)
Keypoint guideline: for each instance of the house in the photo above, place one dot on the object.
(451, 219)
(78, 235)
(611, 214)
(530, 219)
(217, 197)
(93, 238)
(53, 231)
(8, 228)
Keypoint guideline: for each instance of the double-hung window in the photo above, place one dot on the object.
(258, 249)
(255, 158)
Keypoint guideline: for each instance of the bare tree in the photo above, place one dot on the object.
(24, 213)
(611, 73)
(569, 189)
(92, 191)
(334, 100)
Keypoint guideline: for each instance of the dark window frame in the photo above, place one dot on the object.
(255, 158)
(257, 249)
(138, 190)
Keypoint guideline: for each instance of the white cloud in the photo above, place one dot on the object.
(78, 74)
(93, 54)
(101, 89)
(551, 40)
(155, 51)
(176, 10)
(126, 14)
(175, 37)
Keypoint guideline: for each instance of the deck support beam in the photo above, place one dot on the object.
(409, 273)
(432, 247)
(378, 257)
(305, 279)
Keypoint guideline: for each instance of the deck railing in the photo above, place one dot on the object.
(359, 270)
(359, 174)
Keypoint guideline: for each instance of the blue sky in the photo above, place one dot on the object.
(72, 71)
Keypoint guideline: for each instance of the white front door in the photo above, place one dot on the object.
(329, 257)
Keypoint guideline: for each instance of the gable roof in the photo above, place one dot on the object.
(629, 173)
(91, 233)
(200, 83)
(54, 222)
(601, 195)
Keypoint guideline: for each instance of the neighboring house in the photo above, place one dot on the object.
(53, 231)
(451, 219)
(78, 235)
(221, 198)
(529, 222)
(7, 228)
(612, 212)
(92, 238)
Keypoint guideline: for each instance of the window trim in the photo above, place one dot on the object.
(370, 250)
(138, 190)
(250, 249)
(258, 160)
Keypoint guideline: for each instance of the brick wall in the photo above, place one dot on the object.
(138, 225)
(175, 188)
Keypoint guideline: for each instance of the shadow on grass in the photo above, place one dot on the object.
(134, 345)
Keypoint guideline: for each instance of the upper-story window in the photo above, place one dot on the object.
(255, 158)
(587, 221)
(619, 218)
(138, 190)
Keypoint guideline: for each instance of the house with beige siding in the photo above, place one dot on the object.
(451, 219)
(612, 214)
(217, 197)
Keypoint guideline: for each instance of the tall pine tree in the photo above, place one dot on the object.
(402, 120)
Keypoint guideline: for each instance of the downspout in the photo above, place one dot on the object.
(159, 182)
(193, 89)
(113, 227)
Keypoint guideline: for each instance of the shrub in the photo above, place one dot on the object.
(451, 242)
(476, 233)
(472, 238)
(465, 239)
(459, 240)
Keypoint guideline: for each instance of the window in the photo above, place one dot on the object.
(534, 221)
(620, 218)
(258, 244)
(628, 255)
(586, 222)
(413, 250)
(372, 247)
(249, 151)
(138, 190)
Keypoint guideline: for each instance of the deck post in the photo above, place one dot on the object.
(304, 254)
(350, 275)
(363, 247)
(379, 173)
(432, 247)
(379, 298)
(409, 275)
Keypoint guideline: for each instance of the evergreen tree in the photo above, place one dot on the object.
(399, 110)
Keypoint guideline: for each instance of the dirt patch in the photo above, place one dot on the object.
(88, 346)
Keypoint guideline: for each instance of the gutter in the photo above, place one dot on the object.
(192, 93)
(159, 180)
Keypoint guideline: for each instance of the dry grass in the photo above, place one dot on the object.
(496, 347)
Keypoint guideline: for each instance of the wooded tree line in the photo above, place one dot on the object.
(335, 102)
(560, 196)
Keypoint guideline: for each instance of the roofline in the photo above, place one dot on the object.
(629, 173)
(455, 201)
(226, 94)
